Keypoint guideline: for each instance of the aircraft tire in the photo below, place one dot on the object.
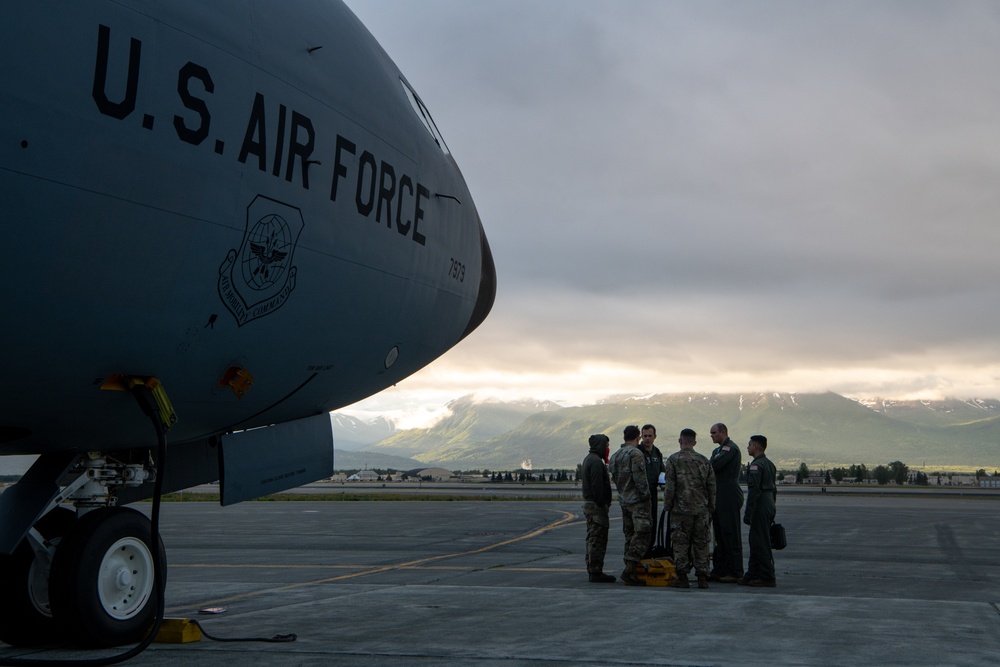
(102, 586)
(25, 617)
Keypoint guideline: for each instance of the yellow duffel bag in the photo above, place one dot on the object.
(655, 571)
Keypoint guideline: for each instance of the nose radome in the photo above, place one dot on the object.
(487, 286)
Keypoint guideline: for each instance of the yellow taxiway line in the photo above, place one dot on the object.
(413, 564)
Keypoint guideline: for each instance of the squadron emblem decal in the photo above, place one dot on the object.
(257, 279)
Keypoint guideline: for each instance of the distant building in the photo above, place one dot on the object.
(364, 476)
(958, 480)
(433, 474)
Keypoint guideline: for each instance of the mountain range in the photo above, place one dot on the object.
(821, 430)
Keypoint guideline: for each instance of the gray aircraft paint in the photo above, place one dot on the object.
(153, 150)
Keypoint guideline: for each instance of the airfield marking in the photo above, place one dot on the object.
(429, 568)
(565, 520)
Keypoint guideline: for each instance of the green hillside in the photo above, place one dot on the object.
(470, 422)
(817, 429)
(348, 460)
(949, 412)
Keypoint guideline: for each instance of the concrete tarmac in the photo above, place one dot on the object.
(885, 580)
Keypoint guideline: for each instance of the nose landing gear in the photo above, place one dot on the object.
(102, 583)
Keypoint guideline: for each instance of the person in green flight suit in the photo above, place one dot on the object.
(655, 467)
(762, 493)
(727, 559)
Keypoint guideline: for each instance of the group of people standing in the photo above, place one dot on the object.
(702, 496)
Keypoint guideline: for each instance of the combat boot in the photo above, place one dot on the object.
(702, 581)
(629, 575)
(680, 581)
(602, 578)
(762, 583)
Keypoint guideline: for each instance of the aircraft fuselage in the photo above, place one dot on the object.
(193, 190)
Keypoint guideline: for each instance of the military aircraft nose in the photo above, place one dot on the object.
(487, 286)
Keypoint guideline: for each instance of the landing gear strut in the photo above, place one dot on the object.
(90, 580)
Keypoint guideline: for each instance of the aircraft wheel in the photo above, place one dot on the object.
(25, 616)
(103, 586)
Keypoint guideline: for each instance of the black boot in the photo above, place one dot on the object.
(680, 581)
(629, 576)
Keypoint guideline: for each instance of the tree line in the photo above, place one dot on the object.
(897, 472)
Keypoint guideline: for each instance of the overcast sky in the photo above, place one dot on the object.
(718, 196)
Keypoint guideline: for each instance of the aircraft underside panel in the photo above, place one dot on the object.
(275, 458)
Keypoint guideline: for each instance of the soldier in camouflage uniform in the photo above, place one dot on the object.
(596, 501)
(689, 496)
(628, 469)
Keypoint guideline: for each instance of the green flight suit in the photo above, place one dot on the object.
(727, 559)
(762, 493)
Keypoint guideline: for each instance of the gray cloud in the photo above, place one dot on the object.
(768, 190)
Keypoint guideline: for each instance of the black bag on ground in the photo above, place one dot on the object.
(662, 548)
(778, 541)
